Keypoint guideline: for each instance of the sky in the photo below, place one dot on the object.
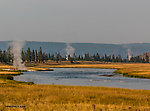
(92, 21)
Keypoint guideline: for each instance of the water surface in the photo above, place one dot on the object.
(84, 77)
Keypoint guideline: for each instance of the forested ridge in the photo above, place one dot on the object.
(38, 55)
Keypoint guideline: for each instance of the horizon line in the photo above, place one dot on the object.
(79, 42)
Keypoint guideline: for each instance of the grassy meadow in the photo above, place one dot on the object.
(69, 98)
(26, 96)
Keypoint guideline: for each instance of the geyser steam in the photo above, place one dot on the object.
(69, 51)
(16, 50)
(128, 50)
(129, 54)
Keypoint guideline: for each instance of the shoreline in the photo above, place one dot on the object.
(121, 68)
(7, 76)
(122, 83)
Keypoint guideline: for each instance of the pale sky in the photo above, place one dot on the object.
(95, 21)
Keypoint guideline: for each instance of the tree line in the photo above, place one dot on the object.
(39, 56)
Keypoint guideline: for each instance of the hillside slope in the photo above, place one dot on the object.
(81, 48)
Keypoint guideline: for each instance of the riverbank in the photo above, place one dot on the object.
(7, 72)
(136, 70)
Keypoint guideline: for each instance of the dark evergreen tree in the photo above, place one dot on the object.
(23, 56)
(119, 58)
(28, 55)
(147, 59)
(87, 56)
(4, 56)
(36, 56)
(40, 55)
(58, 57)
(33, 56)
(9, 55)
(1, 56)
(46, 57)
(113, 58)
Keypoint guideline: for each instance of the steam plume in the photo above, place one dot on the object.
(16, 49)
(129, 54)
(128, 50)
(69, 50)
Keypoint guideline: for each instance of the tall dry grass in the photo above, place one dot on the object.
(62, 98)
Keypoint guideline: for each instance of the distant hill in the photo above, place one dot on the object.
(91, 48)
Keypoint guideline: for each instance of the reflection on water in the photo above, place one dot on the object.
(84, 77)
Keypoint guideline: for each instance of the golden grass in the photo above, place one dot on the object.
(3, 66)
(8, 73)
(69, 98)
(39, 69)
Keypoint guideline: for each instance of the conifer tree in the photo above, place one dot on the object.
(40, 55)
(28, 55)
(36, 56)
(33, 56)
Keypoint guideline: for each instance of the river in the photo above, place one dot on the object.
(84, 77)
